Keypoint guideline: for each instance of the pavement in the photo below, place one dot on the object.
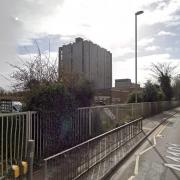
(158, 158)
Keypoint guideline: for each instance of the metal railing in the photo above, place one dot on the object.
(92, 121)
(53, 133)
(15, 131)
(74, 162)
(59, 132)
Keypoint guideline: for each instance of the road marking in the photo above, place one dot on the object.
(158, 134)
(174, 150)
(163, 129)
(137, 165)
(173, 166)
(154, 138)
(176, 159)
(177, 154)
(176, 145)
(131, 178)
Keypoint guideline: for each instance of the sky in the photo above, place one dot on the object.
(108, 23)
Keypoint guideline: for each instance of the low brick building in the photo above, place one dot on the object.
(117, 95)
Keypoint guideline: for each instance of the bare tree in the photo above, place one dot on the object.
(161, 69)
(164, 73)
(34, 71)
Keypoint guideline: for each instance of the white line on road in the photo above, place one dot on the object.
(141, 153)
(137, 165)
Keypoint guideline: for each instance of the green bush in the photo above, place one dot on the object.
(57, 97)
(151, 92)
(53, 97)
(132, 96)
(57, 104)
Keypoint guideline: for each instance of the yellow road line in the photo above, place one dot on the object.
(158, 134)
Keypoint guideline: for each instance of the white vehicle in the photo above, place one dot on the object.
(16, 106)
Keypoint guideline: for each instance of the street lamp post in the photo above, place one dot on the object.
(136, 14)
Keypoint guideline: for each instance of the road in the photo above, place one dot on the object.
(158, 158)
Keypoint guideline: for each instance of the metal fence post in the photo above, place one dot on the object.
(45, 171)
(29, 117)
(132, 109)
(149, 108)
(90, 124)
(142, 109)
(117, 114)
(30, 158)
(2, 148)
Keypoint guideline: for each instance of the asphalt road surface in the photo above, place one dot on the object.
(158, 158)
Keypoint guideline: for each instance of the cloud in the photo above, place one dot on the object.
(173, 24)
(145, 41)
(166, 33)
(122, 51)
(109, 23)
(125, 69)
(163, 12)
(45, 43)
(19, 22)
(152, 48)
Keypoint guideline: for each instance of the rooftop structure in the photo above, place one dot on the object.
(125, 84)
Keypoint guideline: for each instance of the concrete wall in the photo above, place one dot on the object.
(93, 64)
(77, 57)
(89, 60)
(100, 65)
(101, 68)
(66, 57)
(110, 69)
(86, 58)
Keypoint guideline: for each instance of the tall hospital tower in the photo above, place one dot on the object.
(88, 60)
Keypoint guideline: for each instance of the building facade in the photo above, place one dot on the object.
(123, 88)
(88, 60)
(125, 84)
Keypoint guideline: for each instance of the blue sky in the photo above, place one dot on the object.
(109, 23)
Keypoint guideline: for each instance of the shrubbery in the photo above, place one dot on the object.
(151, 92)
(58, 97)
(57, 104)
